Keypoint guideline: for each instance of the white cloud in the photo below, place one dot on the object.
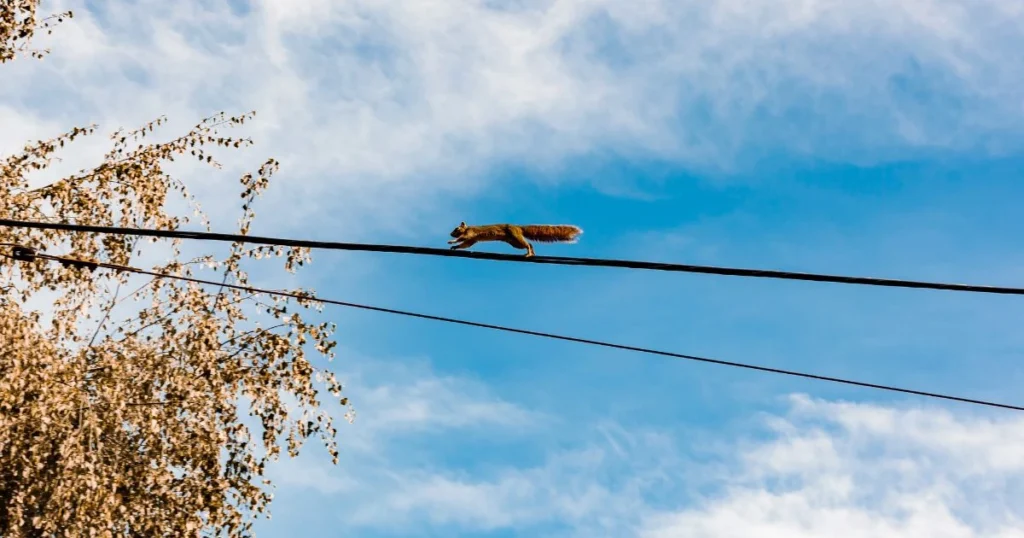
(818, 469)
(397, 400)
(405, 396)
(859, 470)
(372, 105)
(570, 489)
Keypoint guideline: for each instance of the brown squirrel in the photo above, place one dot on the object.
(515, 235)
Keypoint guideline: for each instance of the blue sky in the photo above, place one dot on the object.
(865, 138)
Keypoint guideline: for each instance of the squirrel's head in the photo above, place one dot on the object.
(459, 230)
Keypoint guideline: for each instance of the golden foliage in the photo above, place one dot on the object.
(121, 420)
(18, 23)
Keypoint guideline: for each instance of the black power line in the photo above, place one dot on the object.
(27, 254)
(551, 260)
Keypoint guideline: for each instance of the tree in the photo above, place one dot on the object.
(127, 420)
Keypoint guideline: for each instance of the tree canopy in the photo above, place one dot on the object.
(123, 401)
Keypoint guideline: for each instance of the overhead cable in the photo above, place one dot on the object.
(25, 254)
(549, 260)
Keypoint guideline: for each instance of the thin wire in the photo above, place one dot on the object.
(550, 260)
(251, 289)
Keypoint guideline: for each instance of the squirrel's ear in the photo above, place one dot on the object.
(463, 223)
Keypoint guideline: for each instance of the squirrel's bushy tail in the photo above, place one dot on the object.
(552, 233)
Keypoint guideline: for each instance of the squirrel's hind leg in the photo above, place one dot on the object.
(517, 240)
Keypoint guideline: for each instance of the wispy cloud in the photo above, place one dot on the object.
(817, 468)
(852, 470)
(405, 396)
(391, 100)
(393, 475)
(398, 400)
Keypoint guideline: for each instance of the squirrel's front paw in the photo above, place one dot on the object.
(453, 247)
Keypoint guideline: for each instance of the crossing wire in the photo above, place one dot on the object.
(550, 260)
(28, 254)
